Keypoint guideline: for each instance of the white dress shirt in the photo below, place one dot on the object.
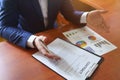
(44, 5)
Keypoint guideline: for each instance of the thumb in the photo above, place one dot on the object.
(102, 11)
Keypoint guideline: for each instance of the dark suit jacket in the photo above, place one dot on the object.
(19, 19)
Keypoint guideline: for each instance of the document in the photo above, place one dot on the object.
(75, 63)
(88, 39)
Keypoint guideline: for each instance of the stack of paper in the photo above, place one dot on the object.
(88, 39)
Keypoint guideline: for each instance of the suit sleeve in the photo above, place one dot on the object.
(70, 13)
(9, 30)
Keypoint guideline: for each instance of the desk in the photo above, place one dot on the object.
(17, 63)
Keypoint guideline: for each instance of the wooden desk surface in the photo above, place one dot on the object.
(18, 64)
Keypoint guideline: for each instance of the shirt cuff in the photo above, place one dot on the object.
(84, 17)
(30, 41)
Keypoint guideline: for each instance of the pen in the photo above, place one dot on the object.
(55, 57)
(41, 42)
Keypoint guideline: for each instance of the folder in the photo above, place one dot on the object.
(75, 64)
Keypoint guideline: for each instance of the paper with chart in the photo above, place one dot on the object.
(75, 63)
(88, 39)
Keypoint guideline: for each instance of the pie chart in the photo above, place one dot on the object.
(91, 37)
(81, 44)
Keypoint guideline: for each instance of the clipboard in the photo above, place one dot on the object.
(75, 64)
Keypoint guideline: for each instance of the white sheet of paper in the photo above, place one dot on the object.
(89, 40)
(75, 63)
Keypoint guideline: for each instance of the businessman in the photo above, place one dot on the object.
(21, 19)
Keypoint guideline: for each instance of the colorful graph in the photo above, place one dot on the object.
(101, 43)
(92, 37)
(89, 49)
(81, 44)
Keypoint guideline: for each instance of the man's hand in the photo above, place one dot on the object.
(43, 48)
(95, 19)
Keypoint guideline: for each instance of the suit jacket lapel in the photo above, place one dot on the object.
(37, 7)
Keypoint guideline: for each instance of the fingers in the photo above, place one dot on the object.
(43, 49)
(99, 11)
(96, 20)
(47, 53)
(41, 37)
(52, 56)
(105, 27)
(102, 11)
